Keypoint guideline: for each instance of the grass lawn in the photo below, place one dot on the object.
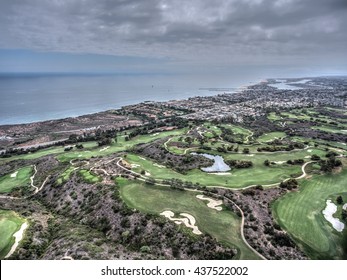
(223, 225)
(294, 115)
(339, 110)
(332, 129)
(271, 136)
(65, 175)
(237, 178)
(12, 180)
(92, 148)
(238, 129)
(89, 177)
(121, 145)
(10, 223)
(274, 117)
(300, 213)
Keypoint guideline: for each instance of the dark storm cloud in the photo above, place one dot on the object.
(234, 30)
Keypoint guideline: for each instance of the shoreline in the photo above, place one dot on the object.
(91, 112)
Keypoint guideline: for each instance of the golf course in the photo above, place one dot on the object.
(223, 225)
(10, 224)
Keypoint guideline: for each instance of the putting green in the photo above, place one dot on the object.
(10, 223)
(300, 213)
(223, 225)
(19, 178)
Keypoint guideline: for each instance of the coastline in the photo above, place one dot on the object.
(26, 101)
(107, 109)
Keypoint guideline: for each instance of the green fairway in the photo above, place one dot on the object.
(121, 145)
(53, 151)
(223, 225)
(10, 223)
(65, 175)
(89, 177)
(332, 129)
(237, 178)
(19, 178)
(92, 149)
(274, 117)
(300, 213)
(295, 114)
(271, 136)
(238, 129)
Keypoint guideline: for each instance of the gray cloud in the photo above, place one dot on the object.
(225, 31)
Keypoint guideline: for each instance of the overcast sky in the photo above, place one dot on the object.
(174, 36)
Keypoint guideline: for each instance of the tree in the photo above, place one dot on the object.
(68, 148)
(339, 199)
(267, 162)
(246, 151)
(315, 157)
(344, 215)
(289, 184)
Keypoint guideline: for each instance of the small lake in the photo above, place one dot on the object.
(218, 166)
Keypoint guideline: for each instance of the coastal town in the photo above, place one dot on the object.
(251, 102)
(230, 176)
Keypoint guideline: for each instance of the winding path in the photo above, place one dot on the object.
(32, 180)
(303, 175)
(242, 229)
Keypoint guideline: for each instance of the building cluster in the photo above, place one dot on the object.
(254, 101)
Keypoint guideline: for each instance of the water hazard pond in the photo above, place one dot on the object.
(218, 166)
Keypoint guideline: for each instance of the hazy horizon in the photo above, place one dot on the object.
(252, 38)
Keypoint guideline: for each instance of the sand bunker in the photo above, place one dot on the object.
(147, 173)
(309, 151)
(280, 162)
(134, 165)
(307, 156)
(189, 220)
(250, 155)
(328, 213)
(18, 237)
(14, 174)
(344, 207)
(142, 158)
(155, 134)
(103, 149)
(212, 203)
(158, 165)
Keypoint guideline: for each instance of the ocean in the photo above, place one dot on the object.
(26, 98)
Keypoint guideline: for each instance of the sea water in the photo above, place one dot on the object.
(36, 97)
